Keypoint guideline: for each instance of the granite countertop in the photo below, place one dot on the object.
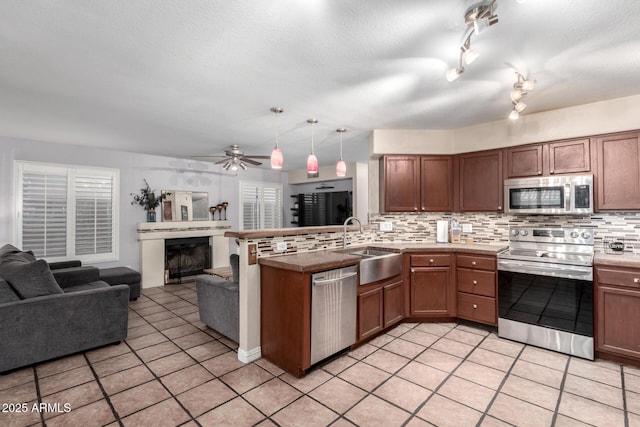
(310, 262)
(625, 260)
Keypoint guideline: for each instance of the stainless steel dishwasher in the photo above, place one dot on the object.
(333, 311)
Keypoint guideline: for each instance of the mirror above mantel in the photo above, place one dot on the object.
(179, 205)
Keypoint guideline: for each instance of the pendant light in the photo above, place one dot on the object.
(341, 166)
(312, 160)
(276, 154)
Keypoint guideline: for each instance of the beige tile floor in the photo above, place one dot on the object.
(172, 370)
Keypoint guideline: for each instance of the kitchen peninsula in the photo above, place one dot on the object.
(427, 288)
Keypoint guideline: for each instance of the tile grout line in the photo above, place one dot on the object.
(562, 383)
(36, 379)
(104, 392)
(624, 397)
(497, 392)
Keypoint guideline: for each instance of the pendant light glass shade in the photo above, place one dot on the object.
(312, 160)
(276, 153)
(341, 166)
(276, 158)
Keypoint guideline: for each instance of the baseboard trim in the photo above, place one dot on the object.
(248, 356)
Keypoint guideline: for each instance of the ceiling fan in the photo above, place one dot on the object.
(235, 158)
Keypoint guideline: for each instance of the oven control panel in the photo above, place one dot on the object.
(577, 236)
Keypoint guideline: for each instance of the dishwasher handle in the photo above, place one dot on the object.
(336, 279)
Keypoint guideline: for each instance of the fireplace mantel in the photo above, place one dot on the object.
(153, 234)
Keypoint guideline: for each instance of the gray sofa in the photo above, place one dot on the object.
(218, 301)
(44, 316)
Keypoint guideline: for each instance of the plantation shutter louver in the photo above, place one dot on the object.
(67, 212)
(44, 211)
(261, 205)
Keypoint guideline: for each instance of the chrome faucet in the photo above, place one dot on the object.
(344, 231)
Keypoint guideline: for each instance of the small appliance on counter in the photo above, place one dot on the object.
(442, 231)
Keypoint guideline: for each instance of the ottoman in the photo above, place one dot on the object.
(123, 275)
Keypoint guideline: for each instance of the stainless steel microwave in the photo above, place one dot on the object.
(553, 195)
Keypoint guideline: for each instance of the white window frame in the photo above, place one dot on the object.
(260, 185)
(71, 172)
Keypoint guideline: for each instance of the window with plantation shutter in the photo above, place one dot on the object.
(67, 212)
(261, 205)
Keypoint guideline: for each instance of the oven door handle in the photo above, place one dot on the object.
(543, 270)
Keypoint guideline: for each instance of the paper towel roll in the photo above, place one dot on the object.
(442, 231)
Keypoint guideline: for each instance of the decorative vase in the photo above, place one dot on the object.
(151, 216)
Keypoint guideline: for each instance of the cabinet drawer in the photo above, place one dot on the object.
(477, 308)
(477, 282)
(479, 262)
(436, 260)
(618, 277)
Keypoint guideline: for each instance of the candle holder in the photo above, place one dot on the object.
(224, 206)
(213, 209)
(219, 208)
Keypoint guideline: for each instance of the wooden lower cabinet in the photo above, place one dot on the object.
(432, 291)
(476, 283)
(380, 305)
(370, 313)
(618, 312)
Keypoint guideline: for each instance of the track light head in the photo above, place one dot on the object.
(514, 115)
(469, 55)
(453, 73)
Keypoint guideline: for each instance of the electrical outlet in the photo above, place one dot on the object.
(467, 228)
(386, 226)
(281, 246)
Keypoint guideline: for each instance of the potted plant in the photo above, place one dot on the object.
(148, 200)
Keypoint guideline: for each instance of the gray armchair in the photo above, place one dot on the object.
(218, 301)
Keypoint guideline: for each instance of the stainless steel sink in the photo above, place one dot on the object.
(378, 264)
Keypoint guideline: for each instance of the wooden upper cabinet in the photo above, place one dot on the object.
(569, 156)
(417, 183)
(481, 185)
(436, 184)
(618, 172)
(524, 161)
(553, 158)
(400, 191)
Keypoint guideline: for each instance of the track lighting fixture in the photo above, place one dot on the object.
(276, 154)
(477, 18)
(521, 88)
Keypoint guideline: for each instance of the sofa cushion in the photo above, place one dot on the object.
(10, 253)
(30, 279)
(92, 285)
(7, 294)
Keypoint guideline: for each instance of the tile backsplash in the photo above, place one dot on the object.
(494, 227)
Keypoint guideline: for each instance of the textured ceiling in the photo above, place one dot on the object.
(182, 78)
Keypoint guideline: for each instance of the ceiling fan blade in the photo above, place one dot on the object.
(222, 161)
(256, 157)
(206, 157)
(251, 162)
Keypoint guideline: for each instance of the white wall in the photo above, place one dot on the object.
(161, 173)
(614, 115)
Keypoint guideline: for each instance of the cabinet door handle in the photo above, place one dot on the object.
(499, 207)
(431, 260)
(550, 171)
(475, 306)
(636, 280)
(475, 282)
(539, 172)
(473, 263)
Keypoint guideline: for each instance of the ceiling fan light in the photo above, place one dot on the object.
(453, 73)
(276, 158)
(227, 165)
(519, 106)
(341, 168)
(234, 167)
(469, 55)
(514, 115)
(243, 166)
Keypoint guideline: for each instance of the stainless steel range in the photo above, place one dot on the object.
(545, 289)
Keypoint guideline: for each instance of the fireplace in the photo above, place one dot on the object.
(186, 257)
